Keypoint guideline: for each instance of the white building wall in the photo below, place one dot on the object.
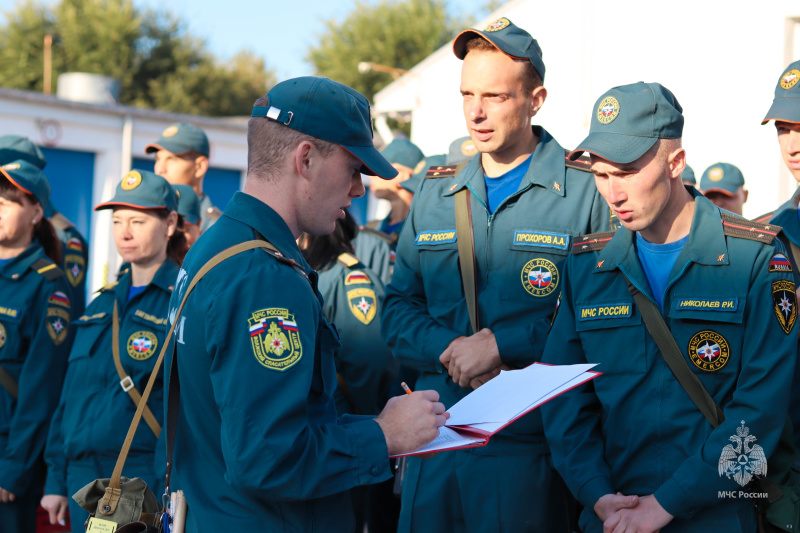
(722, 60)
(100, 129)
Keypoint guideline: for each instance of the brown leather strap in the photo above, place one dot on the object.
(61, 222)
(125, 380)
(8, 383)
(466, 255)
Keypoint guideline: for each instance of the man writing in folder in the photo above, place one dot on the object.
(525, 203)
(635, 447)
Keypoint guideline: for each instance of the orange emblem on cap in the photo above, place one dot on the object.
(170, 132)
(468, 148)
(715, 174)
(11, 166)
(608, 110)
(498, 25)
(131, 180)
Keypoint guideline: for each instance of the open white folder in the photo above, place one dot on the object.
(501, 401)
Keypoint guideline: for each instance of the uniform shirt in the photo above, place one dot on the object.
(35, 337)
(353, 300)
(377, 252)
(635, 430)
(258, 444)
(786, 216)
(519, 254)
(75, 253)
(94, 413)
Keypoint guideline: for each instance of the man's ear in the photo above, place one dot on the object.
(303, 159)
(538, 96)
(200, 166)
(677, 162)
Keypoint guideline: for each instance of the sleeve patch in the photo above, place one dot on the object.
(275, 338)
(57, 324)
(363, 304)
(780, 263)
(785, 303)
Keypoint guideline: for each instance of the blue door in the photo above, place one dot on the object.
(219, 183)
(71, 174)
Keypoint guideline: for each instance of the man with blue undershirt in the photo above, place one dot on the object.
(527, 201)
(633, 447)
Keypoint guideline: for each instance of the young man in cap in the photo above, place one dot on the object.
(258, 444)
(634, 447)
(785, 111)
(723, 184)
(525, 205)
(182, 158)
(376, 241)
(74, 248)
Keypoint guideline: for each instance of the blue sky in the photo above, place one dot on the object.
(278, 30)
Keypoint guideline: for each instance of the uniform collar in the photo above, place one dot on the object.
(164, 279)
(546, 169)
(786, 217)
(706, 245)
(15, 269)
(262, 218)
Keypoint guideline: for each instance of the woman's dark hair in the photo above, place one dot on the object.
(43, 231)
(322, 250)
(177, 245)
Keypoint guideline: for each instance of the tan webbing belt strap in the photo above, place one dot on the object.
(114, 482)
(8, 383)
(795, 251)
(674, 357)
(125, 380)
(466, 255)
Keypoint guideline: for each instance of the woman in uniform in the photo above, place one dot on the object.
(117, 344)
(35, 339)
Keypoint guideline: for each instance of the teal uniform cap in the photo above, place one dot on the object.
(722, 177)
(181, 138)
(786, 104)
(687, 176)
(28, 178)
(15, 147)
(412, 183)
(330, 111)
(507, 37)
(141, 189)
(188, 203)
(461, 150)
(403, 152)
(628, 120)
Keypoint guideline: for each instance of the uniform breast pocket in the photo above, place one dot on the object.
(709, 332)
(12, 345)
(534, 263)
(143, 339)
(438, 254)
(613, 335)
(88, 331)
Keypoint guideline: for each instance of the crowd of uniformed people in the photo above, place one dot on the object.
(289, 356)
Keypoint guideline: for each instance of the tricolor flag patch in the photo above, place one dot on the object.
(356, 277)
(780, 263)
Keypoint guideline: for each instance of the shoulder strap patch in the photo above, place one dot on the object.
(108, 287)
(765, 218)
(389, 239)
(582, 163)
(734, 226)
(47, 268)
(348, 260)
(213, 213)
(373, 224)
(446, 171)
(61, 222)
(591, 242)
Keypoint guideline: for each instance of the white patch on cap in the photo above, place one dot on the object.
(273, 113)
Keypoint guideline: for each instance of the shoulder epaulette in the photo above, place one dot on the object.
(47, 268)
(372, 224)
(582, 163)
(734, 226)
(441, 172)
(348, 260)
(108, 287)
(763, 219)
(213, 213)
(389, 239)
(61, 222)
(591, 242)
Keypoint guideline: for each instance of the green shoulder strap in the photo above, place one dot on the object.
(466, 255)
(8, 383)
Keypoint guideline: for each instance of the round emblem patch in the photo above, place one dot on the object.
(275, 338)
(131, 180)
(498, 25)
(419, 167)
(715, 174)
(142, 345)
(608, 110)
(3, 336)
(468, 148)
(789, 79)
(539, 277)
(709, 350)
(11, 166)
(170, 132)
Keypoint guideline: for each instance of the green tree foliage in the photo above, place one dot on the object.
(395, 33)
(156, 60)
